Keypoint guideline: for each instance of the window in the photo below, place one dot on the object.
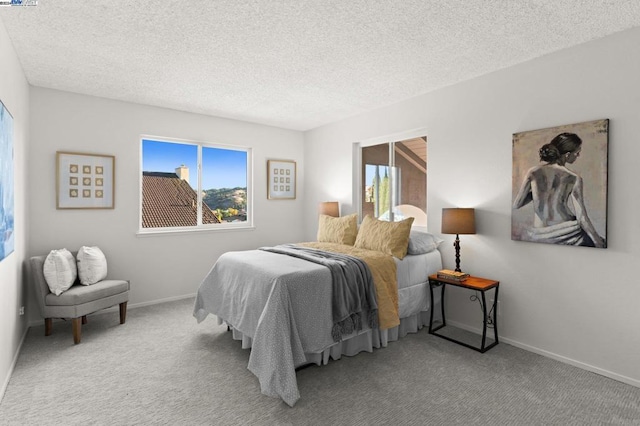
(190, 185)
(395, 174)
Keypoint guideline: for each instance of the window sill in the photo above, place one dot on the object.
(155, 232)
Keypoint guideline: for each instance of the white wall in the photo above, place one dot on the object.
(14, 93)
(162, 266)
(566, 302)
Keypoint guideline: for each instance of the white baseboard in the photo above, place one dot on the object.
(570, 361)
(13, 364)
(133, 306)
(158, 301)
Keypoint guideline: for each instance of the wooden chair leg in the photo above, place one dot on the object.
(123, 312)
(84, 319)
(77, 329)
(48, 326)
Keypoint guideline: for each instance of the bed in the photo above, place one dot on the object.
(280, 305)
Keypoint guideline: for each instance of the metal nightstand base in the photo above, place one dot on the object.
(477, 284)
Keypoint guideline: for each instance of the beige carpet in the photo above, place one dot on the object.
(161, 367)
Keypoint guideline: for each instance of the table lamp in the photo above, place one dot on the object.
(329, 208)
(458, 221)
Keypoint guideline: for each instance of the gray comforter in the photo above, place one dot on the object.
(282, 303)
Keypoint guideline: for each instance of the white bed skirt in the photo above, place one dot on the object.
(370, 339)
(364, 341)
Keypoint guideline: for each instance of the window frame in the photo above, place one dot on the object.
(199, 227)
(358, 163)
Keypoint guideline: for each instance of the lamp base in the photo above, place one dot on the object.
(456, 245)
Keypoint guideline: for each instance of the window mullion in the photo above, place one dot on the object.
(199, 190)
(390, 193)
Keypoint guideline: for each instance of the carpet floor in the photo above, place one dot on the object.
(161, 367)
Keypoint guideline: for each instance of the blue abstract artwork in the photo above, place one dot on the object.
(6, 183)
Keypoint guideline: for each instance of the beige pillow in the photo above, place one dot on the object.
(341, 230)
(387, 237)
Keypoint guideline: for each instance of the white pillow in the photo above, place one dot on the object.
(421, 242)
(92, 265)
(60, 271)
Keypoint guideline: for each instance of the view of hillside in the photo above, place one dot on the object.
(229, 203)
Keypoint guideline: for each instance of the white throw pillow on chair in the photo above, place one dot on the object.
(92, 265)
(59, 271)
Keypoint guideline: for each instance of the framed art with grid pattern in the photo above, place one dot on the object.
(281, 179)
(84, 181)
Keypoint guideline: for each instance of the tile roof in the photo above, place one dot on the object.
(168, 201)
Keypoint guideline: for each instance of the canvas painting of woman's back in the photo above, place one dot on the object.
(560, 185)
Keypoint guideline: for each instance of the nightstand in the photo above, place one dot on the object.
(481, 285)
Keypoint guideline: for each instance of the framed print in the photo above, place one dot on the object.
(559, 185)
(84, 181)
(281, 179)
(7, 239)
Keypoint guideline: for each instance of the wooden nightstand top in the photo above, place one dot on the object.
(472, 282)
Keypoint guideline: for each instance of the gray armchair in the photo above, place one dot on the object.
(77, 302)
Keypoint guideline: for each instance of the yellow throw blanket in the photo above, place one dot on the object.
(384, 272)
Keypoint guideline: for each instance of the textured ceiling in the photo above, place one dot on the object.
(295, 64)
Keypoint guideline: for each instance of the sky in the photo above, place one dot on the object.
(222, 168)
